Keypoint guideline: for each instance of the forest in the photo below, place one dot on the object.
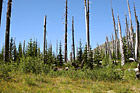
(113, 67)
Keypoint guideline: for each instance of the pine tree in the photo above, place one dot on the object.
(35, 48)
(90, 60)
(20, 50)
(80, 53)
(2, 54)
(97, 56)
(50, 54)
(14, 52)
(30, 48)
(11, 48)
(60, 56)
(85, 57)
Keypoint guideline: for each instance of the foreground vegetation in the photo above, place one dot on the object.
(111, 78)
(20, 82)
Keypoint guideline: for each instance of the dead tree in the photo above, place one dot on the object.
(121, 43)
(7, 34)
(127, 31)
(70, 56)
(24, 48)
(87, 23)
(73, 44)
(113, 44)
(131, 30)
(65, 58)
(108, 48)
(56, 48)
(1, 2)
(116, 34)
(105, 49)
(44, 46)
(137, 36)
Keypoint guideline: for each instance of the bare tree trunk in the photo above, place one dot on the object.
(70, 56)
(56, 48)
(73, 44)
(44, 46)
(113, 44)
(121, 43)
(116, 35)
(1, 2)
(105, 49)
(131, 30)
(65, 58)
(108, 48)
(87, 23)
(137, 36)
(7, 34)
(24, 48)
(127, 31)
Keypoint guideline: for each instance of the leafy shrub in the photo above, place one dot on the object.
(5, 69)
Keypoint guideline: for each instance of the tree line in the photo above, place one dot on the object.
(122, 49)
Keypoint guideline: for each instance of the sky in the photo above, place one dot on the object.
(28, 18)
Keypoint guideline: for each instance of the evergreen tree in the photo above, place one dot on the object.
(60, 56)
(85, 57)
(50, 59)
(90, 59)
(2, 54)
(35, 48)
(30, 48)
(46, 53)
(20, 50)
(11, 48)
(79, 54)
(14, 52)
(97, 56)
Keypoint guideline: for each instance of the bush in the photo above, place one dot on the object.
(34, 65)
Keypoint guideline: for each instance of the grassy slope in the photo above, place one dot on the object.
(20, 82)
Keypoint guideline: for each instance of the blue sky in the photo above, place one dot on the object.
(28, 19)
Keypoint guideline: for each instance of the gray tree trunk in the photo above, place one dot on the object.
(127, 31)
(56, 48)
(70, 56)
(131, 30)
(1, 2)
(44, 45)
(7, 34)
(121, 43)
(65, 58)
(87, 23)
(105, 49)
(73, 43)
(24, 48)
(116, 36)
(137, 36)
(113, 44)
(108, 48)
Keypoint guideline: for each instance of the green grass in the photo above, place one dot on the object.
(109, 79)
(20, 82)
